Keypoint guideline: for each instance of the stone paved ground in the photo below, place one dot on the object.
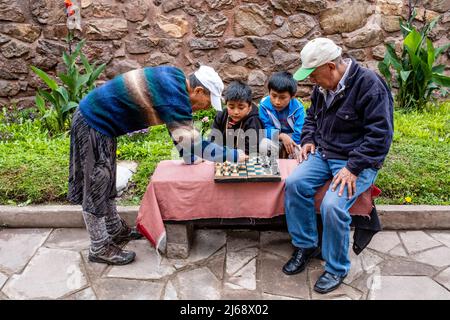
(223, 264)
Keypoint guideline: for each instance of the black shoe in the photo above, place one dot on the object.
(112, 254)
(126, 234)
(327, 282)
(299, 260)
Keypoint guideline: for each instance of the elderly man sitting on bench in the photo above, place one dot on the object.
(346, 136)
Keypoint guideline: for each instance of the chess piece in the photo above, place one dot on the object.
(218, 169)
(275, 168)
(234, 172)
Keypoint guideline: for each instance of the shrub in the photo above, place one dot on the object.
(63, 99)
(415, 71)
(204, 119)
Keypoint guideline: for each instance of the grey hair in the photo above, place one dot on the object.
(194, 82)
(337, 61)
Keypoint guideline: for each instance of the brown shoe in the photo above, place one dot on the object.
(126, 234)
(112, 254)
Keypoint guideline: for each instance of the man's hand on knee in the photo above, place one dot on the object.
(345, 178)
(305, 150)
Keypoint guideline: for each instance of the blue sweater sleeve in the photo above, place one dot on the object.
(216, 153)
(207, 150)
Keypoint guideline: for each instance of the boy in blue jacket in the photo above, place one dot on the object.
(282, 115)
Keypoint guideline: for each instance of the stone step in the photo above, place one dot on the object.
(393, 217)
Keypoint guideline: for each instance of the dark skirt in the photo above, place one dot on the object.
(92, 170)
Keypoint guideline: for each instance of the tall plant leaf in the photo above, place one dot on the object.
(391, 57)
(439, 68)
(71, 105)
(405, 74)
(430, 53)
(96, 73)
(47, 96)
(52, 84)
(40, 103)
(440, 50)
(67, 80)
(413, 41)
(67, 59)
(384, 69)
(63, 92)
(440, 79)
(86, 63)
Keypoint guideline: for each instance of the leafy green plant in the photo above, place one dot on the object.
(204, 119)
(64, 95)
(415, 72)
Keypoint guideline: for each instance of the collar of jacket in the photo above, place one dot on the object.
(290, 119)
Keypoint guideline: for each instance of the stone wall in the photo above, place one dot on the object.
(242, 39)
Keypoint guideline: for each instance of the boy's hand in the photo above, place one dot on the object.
(288, 143)
(307, 148)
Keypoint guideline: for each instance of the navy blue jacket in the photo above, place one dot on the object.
(358, 125)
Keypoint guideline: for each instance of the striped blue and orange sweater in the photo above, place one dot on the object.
(145, 97)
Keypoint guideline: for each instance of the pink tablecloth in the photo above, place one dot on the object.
(186, 192)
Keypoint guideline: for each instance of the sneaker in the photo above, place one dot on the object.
(126, 234)
(112, 254)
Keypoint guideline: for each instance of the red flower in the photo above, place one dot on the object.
(69, 11)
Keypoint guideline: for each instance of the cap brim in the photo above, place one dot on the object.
(303, 73)
(216, 102)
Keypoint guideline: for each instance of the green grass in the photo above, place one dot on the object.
(418, 164)
(147, 149)
(34, 167)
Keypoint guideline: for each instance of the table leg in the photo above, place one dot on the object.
(179, 239)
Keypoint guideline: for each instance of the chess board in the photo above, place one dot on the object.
(261, 169)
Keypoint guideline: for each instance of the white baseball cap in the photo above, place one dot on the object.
(314, 54)
(212, 81)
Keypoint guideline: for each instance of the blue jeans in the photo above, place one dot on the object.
(300, 189)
